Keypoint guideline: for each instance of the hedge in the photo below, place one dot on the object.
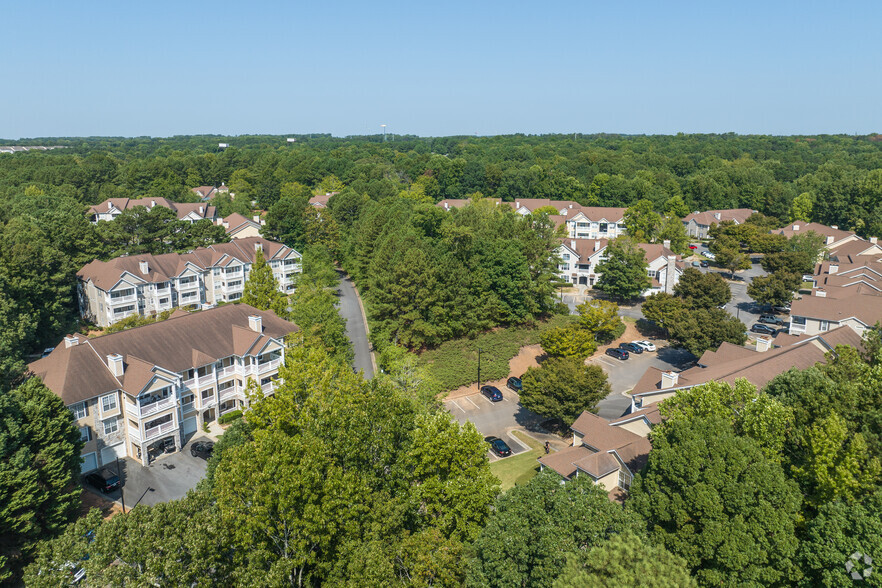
(229, 417)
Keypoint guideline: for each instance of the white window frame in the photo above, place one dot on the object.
(825, 326)
(75, 409)
(114, 426)
(104, 402)
(88, 433)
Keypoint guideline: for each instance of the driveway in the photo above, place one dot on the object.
(168, 478)
(623, 375)
(356, 330)
(495, 418)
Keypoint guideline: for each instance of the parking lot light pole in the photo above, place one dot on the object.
(479, 369)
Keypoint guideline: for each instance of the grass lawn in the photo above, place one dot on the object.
(520, 468)
(455, 363)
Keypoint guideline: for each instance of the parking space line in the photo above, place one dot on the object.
(457, 405)
(523, 445)
(609, 363)
(472, 402)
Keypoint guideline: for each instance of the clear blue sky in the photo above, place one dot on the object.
(438, 68)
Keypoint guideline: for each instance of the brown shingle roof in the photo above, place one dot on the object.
(650, 413)
(181, 209)
(80, 372)
(563, 461)
(862, 303)
(708, 217)
(799, 228)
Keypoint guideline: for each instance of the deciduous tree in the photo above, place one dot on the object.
(563, 388)
(624, 270)
(700, 290)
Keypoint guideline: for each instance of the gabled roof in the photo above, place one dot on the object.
(758, 367)
(182, 209)
(651, 414)
(321, 200)
(177, 344)
(612, 214)
(236, 222)
(799, 228)
(709, 217)
(860, 302)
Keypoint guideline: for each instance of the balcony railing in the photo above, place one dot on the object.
(187, 407)
(228, 371)
(268, 388)
(208, 402)
(265, 367)
(152, 408)
(233, 288)
(188, 286)
(123, 299)
(229, 393)
(158, 430)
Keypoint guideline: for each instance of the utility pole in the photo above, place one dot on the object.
(479, 369)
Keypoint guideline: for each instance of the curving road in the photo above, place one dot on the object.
(356, 330)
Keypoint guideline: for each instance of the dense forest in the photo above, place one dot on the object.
(742, 487)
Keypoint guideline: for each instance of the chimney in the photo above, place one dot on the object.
(573, 244)
(833, 268)
(873, 240)
(718, 215)
(834, 227)
(763, 343)
(152, 203)
(255, 323)
(446, 206)
(115, 363)
(71, 341)
(671, 274)
(257, 219)
(145, 267)
(201, 210)
(830, 239)
(596, 245)
(258, 247)
(666, 243)
(795, 227)
(517, 204)
(669, 380)
(821, 293)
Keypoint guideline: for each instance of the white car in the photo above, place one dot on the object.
(646, 345)
(710, 255)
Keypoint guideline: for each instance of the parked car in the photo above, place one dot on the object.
(763, 329)
(202, 449)
(770, 319)
(104, 480)
(646, 345)
(710, 255)
(696, 264)
(782, 309)
(693, 246)
(492, 393)
(47, 351)
(617, 353)
(499, 447)
(704, 263)
(514, 384)
(631, 348)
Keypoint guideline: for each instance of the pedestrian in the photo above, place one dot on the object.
(547, 448)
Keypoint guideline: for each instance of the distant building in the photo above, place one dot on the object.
(109, 291)
(239, 227)
(698, 224)
(580, 258)
(321, 200)
(188, 211)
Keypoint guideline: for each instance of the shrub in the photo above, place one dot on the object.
(229, 417)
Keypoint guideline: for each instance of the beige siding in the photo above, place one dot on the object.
(638, 427)
(609, 481)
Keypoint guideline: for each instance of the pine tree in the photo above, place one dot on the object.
(261, 289)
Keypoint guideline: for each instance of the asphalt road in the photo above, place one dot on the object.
(355, 327)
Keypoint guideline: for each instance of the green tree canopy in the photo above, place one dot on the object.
(702, 290)
(261, 289)
(776, 289)
(623, 271)
(563, 388)
(570, 341)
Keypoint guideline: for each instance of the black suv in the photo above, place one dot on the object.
(202, 449)
(763, 329)
(514, 384)
(631, 347)
(104, 480)
(617, 353)
(492, 393)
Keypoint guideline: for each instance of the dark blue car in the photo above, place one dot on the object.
(631, 347)
(617, 353)
(514, 384)
(492, 393)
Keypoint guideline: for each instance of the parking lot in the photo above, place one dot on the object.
(623, 375)
(495, 418)
(169, 477)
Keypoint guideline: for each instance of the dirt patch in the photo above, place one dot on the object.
(528, 356)
(107, 507)
(631, 334)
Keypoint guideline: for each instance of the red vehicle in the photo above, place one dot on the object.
(693, 246)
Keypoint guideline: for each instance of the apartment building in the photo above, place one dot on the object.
(238, 226)
(188, 211)
(208, 192)
(855, 304)
(582, 222)
(143, 391)
(580, 257)
(109, 291)
(698, 224)
(730, 362)
(609, 453)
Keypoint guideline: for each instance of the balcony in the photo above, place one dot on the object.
(208, 402)
(231, 289)
(115, 301)
(189, 407)
(188, 286)
(229, 371)
(229, 393)
(159, 430)
(268, 388)
(270, 365)
(152, 408)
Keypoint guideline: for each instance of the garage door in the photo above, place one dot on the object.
(109, 454)
(90, 462)
(190, 425)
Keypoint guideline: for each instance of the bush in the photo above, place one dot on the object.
(455, 363)
(229, 417)
(610, 336)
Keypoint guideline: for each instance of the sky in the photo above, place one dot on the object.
(482, 67)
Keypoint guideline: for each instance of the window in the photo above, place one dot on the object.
(650, 273)
(108, 403)
(226, 385)
(624, 479)
(207, 394)
(235, 296)
(124, 309)
(85, 434)
(825, 325)
(111, 425)
(121, 294)
(79, 410)
(603, 227)
(565, 257)
(163, 301)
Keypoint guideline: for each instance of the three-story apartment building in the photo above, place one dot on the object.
(143, 391)
(109, 291)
